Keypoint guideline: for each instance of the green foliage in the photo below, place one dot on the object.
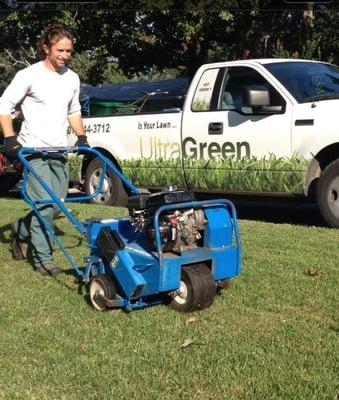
(201, 105)
(269, 174)
(311, 50)
(280, 52)
(165, 73)
(148, 37)
(113, 74)
(74, 165)
(85, 66)
(7, 71)
(150, 173)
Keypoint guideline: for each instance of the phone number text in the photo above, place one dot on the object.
(94, 128)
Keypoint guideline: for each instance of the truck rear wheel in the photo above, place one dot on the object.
(113, 192)
(328, 194)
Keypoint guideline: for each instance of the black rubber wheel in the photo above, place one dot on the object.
(328, 194)
(197, 289)
(113, 192)
(104, 285)
(7, 183)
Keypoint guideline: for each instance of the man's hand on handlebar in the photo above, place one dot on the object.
(12, 146)
(82, 141)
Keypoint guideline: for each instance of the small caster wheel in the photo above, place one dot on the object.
(197, 289)
(101, 287)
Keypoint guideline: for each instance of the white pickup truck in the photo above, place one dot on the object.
(249, 126)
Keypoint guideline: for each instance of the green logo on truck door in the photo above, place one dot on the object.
(155, 148)
(213, 150)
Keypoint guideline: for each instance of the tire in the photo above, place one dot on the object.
(8, 182)
(328, 194)
(113, 192)
(103, 285)
(198, 289)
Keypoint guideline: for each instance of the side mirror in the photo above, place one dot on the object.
(255, 96)
(258, 97)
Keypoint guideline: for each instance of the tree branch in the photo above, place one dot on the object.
(25, 56)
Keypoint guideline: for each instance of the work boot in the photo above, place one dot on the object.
(19, 247)
(49, 269)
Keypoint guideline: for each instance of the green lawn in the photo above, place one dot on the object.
(272, 335)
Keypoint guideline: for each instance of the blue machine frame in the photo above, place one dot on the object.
(141, 269)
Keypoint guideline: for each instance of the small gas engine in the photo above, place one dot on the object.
(180, 229)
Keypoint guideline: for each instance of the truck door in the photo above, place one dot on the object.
(229, 146)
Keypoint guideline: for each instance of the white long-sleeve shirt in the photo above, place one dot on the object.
(47, 99)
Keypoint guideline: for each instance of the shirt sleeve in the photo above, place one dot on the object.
(14, 93)
(74, 105)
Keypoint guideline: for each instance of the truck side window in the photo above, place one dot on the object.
(203, 95)
(232, 92)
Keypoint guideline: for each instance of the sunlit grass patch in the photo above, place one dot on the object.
(272, 335)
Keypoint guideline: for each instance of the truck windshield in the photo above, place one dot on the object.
(307, 81)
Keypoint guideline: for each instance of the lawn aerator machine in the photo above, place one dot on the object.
(170, 249)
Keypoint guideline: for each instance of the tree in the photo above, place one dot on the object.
(117, 40)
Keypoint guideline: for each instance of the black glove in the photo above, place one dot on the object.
(12, 146)
(82, 141)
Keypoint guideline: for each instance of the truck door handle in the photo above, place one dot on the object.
(215, 128)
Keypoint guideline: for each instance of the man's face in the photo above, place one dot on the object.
(59, 54)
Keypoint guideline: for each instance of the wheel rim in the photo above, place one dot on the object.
(333, 196)
(182, 293)
(106, 190)
(96, 288)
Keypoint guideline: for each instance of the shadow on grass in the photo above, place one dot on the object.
(296, 211)
(81, 285)
(5, 235)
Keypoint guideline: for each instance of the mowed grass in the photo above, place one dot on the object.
(272, 335)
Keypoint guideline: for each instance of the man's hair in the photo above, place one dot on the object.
(52, 35)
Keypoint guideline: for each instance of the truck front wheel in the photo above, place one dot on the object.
(112, 193)
(328, 194)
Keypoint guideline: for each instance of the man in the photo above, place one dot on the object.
(48, 93)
